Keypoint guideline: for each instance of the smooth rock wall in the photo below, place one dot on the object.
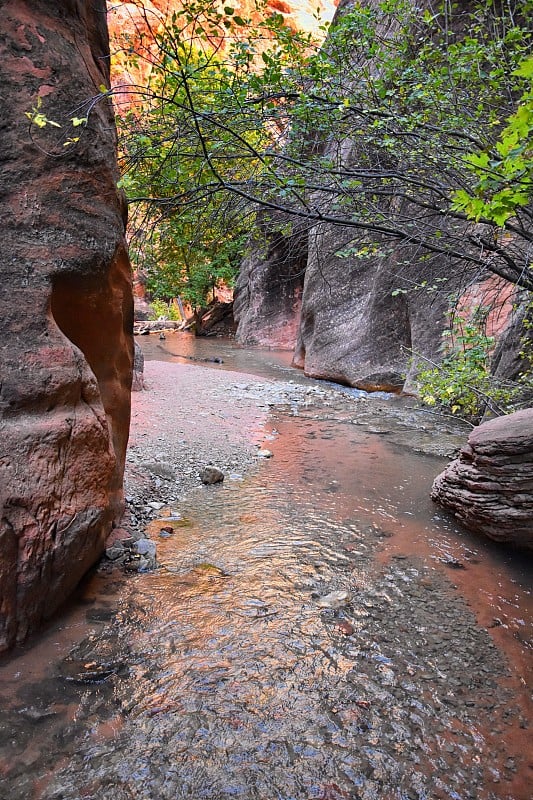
(268, 292)
(66, 310)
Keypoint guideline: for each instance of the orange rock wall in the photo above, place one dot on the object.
(66, 310)
(133, 24)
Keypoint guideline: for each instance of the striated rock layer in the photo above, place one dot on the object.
(489, 487)
(66, 308)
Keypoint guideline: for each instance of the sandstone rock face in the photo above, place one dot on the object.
(66, 308)
(489, 488)
(268, 292)
(354, 329)
(341, 315)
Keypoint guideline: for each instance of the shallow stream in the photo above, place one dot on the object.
(319, 631)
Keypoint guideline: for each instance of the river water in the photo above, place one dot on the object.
(317, 631)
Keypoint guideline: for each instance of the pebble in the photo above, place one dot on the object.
(334, 600)
(345, 627)
(264, 454)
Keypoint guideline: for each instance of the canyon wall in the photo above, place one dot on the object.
(369, 320)
(66, 308)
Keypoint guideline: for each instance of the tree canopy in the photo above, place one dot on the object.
(413, 127)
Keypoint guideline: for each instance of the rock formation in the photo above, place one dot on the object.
(489, 488)
(354, 307)
(354, 328)
(66, 309)
(267, 297)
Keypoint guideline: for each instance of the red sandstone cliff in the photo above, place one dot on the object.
(66, 309)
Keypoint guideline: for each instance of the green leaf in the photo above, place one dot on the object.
(525, 70)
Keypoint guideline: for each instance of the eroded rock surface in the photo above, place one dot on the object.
(268, 292)
(66, 309)
(489, 487)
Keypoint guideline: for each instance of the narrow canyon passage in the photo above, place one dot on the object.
(316, 630)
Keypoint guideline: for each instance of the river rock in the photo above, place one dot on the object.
(160, 468)
(264, 453)
(145, 547)
(66, 308)
(210, 475)
(337, 599)
(489, 487)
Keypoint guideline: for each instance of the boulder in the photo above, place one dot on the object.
(66, 309)
(489, 487)
(211, 475)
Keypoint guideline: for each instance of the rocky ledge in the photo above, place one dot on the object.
(489, 487)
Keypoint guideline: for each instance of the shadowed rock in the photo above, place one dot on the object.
(66, 309)
(489, 488)
(211, 475)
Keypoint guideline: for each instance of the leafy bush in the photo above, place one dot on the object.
(462, 383)
(166, 310)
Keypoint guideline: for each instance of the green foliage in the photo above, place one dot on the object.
(462, 382)
(503, 177)
(189, 137)
(415, 128)
(166, 310)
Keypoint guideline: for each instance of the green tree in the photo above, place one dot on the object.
(412, 127)
(190, 137)
(503, 176)
(384, 129)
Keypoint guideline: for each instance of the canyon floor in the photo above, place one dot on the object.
(315, 629)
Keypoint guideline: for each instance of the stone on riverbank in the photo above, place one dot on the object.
(489, 487)
(211, 475)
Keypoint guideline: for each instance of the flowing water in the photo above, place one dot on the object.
(318, 631)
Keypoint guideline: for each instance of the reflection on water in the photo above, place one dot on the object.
(219, 353)
(304, 638)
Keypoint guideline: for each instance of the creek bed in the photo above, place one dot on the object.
(316, 630)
